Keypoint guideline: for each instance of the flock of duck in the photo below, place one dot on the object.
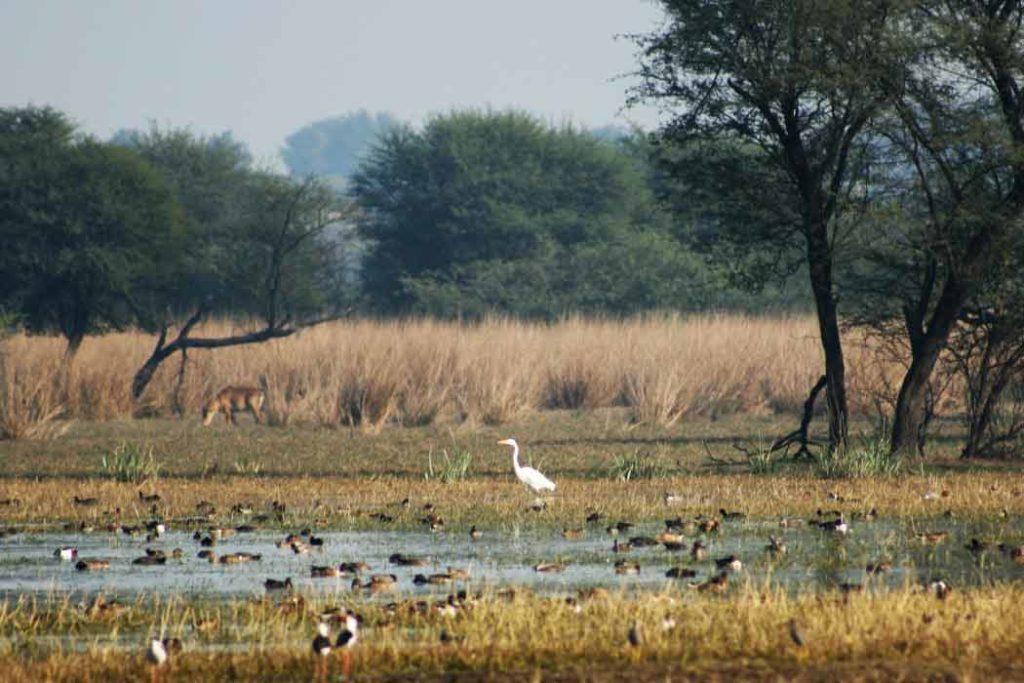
(676, 538)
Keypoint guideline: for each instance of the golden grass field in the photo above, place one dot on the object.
(744, 634)
(664, 369)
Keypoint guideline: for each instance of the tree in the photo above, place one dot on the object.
(332, 148)
(277, 259)
(91, 232)
(797, 81)
(496, 211)
(964, 118)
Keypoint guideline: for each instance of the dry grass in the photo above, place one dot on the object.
(369, 373)
(904, 634)
(345, 503)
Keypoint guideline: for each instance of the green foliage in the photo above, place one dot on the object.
(636, 465)
(130, 462)
(455, 465)
(872, 458)
(485, 210)
(257, 241)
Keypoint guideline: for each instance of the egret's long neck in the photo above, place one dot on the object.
(515, 458)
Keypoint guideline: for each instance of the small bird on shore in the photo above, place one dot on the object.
(699, 551)
(623, 567)
(277, 586)
(475, 534)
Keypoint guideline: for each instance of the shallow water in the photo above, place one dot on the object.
(815, 559)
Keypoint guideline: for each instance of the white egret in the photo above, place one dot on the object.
(529, 476)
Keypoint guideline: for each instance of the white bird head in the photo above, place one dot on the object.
(508, 442)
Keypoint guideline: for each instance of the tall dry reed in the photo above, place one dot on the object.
(367, 373)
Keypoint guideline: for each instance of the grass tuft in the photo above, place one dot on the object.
(869, 459)
(451, 468)
(636, 466)
(130, 462)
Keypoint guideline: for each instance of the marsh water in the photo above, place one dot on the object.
(815, 559)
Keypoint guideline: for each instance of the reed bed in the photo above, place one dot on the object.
(371, 373)
(903, 634)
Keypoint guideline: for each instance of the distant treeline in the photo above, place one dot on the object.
(476, 212)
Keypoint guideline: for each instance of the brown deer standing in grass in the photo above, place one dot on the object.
(230, 400)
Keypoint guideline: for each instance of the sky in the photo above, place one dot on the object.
(264, 68)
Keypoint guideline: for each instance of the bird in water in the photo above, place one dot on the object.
(529, 476)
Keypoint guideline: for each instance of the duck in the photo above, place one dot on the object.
(707, 526)
(92, 565)
(549, 567)
(66, 553)
(274, 585)
(220, 533)
(289, 540)
(837, 525)
(150, 560)
(300, 548)
(680, 573)
(642, 541)
(208, 555)
(156, 527)
(458, 574)
(85, 502)
(240, 558)
(731, 514)
(573, 534)
(933, 537)
(730, 563)
(880, 567)
(150, 498)
(475, 534)
(978, 546)
(716, 584)
(624, 567)
(403, 560)
(775, 546)
(354, 567)
(621, 547)
(698, 551)
(316, 541)
(939, 588)
(433, 579)
(378, 580)
(593, 517)
(327, 572)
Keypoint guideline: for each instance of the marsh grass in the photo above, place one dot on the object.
(370, 373)
(451, 467)
(902, 633)
(869, 458)
(130, 462)
(637, 465)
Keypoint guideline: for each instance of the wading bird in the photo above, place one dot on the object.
(346, 641)
(529, 476)
(321, 650)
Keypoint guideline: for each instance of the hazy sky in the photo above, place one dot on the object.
(263, 68)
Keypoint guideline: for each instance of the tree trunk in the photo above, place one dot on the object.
(819, 259)
(911, 402)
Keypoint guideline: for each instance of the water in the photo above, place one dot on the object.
(815, 559)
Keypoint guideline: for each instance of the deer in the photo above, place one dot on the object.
(230, 400)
